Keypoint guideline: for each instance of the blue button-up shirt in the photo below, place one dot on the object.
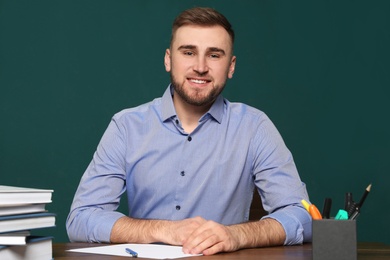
(170, 174)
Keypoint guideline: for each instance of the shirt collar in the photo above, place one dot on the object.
(216, 110)
(168, 109)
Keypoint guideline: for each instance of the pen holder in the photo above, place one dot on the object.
(334, 239)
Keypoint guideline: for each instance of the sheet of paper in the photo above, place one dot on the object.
(152, 251)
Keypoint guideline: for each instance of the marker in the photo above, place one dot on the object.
(327, 207)
(342, 215)
(348, 201)
(312, 209)
(131, 252)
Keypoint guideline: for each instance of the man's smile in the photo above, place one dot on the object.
(199, 81)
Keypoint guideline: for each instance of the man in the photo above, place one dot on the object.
(189, 161)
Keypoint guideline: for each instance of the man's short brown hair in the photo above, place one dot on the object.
(202, 16)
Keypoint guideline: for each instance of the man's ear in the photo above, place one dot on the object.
(232, 67)
(167, 60)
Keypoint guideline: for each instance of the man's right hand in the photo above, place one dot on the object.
(177, 232)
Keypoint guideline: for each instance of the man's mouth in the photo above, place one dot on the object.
(199, 81)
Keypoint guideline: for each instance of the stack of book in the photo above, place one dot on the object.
(23, 210)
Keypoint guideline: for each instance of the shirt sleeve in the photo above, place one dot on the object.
(93, 211)
(280, 187)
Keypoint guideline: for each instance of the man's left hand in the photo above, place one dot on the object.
(211, 238)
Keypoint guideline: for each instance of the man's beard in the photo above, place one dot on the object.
(198, 98)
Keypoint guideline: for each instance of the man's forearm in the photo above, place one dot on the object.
(262, 233)
(129, 230)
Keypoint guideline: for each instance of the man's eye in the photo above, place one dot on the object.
(215, 56)
(188, 53)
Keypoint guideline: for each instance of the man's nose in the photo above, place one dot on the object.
(200, 65)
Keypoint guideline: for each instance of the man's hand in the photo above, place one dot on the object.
(177, 232)
(211, 238)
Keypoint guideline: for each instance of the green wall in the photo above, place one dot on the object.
(319, 69)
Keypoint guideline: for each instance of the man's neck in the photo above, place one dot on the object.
(188, 114)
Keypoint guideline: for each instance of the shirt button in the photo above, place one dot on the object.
(182, 173)
(178, 207)
(177, 121)
(189, 139)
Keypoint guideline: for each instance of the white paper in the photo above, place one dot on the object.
(152, 251)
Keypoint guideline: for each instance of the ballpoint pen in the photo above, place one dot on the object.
(131, 252)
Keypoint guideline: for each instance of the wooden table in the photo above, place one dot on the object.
(366, 251)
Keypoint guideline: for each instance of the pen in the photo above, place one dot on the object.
(131, 252)
(352, 208)
(355, 214)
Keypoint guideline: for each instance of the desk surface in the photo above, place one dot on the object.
(371, 251)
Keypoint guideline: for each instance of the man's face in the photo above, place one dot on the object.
(200, 60)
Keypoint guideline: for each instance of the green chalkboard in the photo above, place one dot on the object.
(319, 69)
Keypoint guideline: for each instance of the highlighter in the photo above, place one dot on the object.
(314, 212)
(305, 204)
(312, 209)
(342, 214)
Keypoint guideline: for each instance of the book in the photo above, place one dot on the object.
(37, 247)
(10, 195)
(14, 238)
(22, 209)
(26, 222)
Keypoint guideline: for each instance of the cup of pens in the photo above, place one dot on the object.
(335, 238)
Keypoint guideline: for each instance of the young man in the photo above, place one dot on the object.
(189, 161)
